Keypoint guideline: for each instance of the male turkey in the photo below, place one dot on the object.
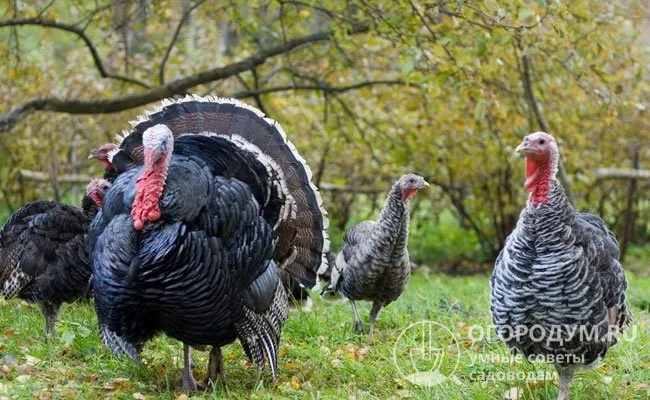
(373, 263)
(192, 242)
(558, 289)
(42, 253)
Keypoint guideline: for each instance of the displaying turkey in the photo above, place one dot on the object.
(373, 263)
(191, 243)
(558, 289)
(42, 254)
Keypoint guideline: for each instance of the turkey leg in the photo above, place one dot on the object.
(189, 383)
(566, 376)
(215, 366)
(358, 325)
(50, 312)
(374, 311)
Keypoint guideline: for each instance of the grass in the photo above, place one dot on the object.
(320, 357)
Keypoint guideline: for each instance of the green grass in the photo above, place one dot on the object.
(320, 358)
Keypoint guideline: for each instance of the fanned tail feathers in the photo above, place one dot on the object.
(301, 226)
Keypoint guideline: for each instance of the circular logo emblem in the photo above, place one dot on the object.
(426, 353)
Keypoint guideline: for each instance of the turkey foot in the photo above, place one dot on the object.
(189, 383)
(215, 366)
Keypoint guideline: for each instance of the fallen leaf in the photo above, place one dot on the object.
(291, 366)
(295, 382)
(182, 397)
(31, 361)
(23, 378)
(138, 396)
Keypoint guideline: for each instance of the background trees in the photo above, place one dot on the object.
(366, 89)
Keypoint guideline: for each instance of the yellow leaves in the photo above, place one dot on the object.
(182, 396)
(352, 352)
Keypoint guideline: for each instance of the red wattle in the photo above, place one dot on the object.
(95, 197)
(407, 194)
(148, 190)
(538, 178)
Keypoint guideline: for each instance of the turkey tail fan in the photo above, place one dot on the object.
(301, 226)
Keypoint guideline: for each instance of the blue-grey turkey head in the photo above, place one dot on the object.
(373, 263)
(211, 206)
(558, 289)
(43, 257)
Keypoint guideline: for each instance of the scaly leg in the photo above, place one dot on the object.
(374, 311)
(566, 377)
(358, 325)
(50, 312)
(189, 383)
(215, 366)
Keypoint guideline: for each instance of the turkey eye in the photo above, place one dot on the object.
(541, 141)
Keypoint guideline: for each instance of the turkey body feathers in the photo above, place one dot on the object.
(43, 244)
(291, 200)
(373, 263)
(197, 273)
(559, 269)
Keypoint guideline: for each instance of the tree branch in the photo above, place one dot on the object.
(82, 35)
(177, 32)
(323, 87)
(177, 86)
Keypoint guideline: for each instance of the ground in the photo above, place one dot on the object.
(321, 357)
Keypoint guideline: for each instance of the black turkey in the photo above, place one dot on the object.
(558, 289)
(42, 254)
(373, 263)
(192, 242)
(104, 154)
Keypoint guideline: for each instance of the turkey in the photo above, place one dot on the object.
(373, 263)
(104, 154)
(558, 289)
(210, 204)
(42, 254)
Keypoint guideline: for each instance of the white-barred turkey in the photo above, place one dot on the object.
(373, 263)
(558, 289)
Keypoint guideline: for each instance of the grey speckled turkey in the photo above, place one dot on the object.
(557, 281)
(373, 263)
(210, 205)
(42, 254)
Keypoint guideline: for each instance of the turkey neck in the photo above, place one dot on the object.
(393, 225)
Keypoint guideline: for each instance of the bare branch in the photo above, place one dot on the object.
(82, 35)
(331, 187)
(177, 86)
(184, 18)
(622, 173)
(39, 176)
(323, 87)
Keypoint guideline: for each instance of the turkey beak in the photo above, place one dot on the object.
(93, 154)
(424, 184)
(523, 148)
